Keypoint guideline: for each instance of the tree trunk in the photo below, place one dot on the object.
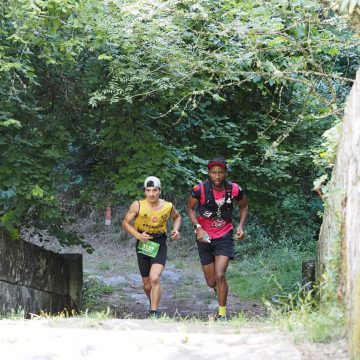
(339, 242)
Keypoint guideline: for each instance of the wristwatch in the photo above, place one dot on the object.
(197, 226)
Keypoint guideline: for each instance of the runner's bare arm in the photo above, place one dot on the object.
(175, 215)
(243, 204)
(127, 223)
(190, 209)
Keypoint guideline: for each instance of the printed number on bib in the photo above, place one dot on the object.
(149, 248)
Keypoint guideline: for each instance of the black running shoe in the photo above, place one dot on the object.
(154, 314)
(222, 319)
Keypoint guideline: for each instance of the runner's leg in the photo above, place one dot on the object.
(221, 264)
(155, 293)
(144, 264)
(209, 272)
(147, 287)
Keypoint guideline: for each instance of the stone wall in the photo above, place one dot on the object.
(340, 232)
(33, 279)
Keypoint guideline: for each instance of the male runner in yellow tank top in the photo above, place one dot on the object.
(146, 220)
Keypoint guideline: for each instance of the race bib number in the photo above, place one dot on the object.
(149, 248)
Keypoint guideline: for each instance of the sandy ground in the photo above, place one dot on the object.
(57, 339)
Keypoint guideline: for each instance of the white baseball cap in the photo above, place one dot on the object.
(152, 181)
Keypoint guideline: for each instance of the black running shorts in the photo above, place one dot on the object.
(145, 262)
(220, 246)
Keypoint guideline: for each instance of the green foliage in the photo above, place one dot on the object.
(325, 155)
(296, 224)
(324, 325)
(300, 312)
(272, 270)
(301, 299)
(276, 268)
(37, 44)
(97, 95)
(93, 291)
(258, 238)
(246, 80)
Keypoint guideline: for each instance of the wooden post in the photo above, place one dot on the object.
(308, 274)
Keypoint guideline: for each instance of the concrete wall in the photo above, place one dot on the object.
(339, 240)
(34, 279)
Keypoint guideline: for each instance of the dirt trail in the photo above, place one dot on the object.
(113, 263)
(76, 338)
(184, 291)
(188, 330)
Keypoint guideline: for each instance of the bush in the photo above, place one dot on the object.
(258, 237)
(273, 270)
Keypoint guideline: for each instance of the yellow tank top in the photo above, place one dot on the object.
(152, 221)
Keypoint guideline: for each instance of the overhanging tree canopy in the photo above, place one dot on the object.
(96, 95)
